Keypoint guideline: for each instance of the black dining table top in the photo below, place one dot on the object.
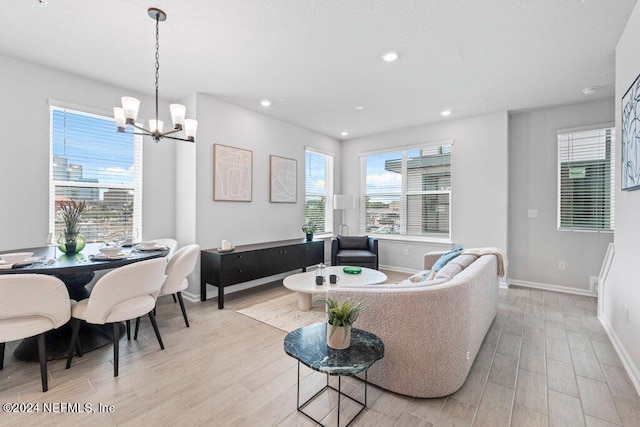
(76, 263)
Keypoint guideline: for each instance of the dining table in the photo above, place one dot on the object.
(76, 271)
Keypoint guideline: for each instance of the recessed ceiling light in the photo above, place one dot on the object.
(359, 107)
(590, 90)
(445, 113)
(390, 56)
(344, 133)
(265, 103)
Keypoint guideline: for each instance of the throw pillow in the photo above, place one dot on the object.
(448, 271)
(463, 261)
(353, 242)
(446, 257)
(420, 276)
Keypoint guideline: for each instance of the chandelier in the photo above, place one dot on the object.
(128, 113)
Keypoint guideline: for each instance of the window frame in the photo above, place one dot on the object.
(404, 194)
(137, 186)
(601, 126)
(328, 189)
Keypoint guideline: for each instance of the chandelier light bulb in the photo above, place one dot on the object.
(190, 128)
(118, 115)
(178, 111)
(156, 125)
(130, 106)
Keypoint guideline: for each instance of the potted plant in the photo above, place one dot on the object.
(340, 318)
(71, 241)
(309, 228)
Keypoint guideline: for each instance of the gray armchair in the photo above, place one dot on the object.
(355, 250)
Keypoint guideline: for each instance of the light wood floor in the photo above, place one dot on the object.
(545, 361)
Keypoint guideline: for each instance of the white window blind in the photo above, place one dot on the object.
(91, 162)
(318, 184)
(407, 192)
(586, 180)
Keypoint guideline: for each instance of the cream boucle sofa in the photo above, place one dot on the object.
(431, 332)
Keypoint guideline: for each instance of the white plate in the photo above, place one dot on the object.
(102, 257)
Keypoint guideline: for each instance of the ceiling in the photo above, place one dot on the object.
(316, 60)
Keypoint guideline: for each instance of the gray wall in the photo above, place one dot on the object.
(479, 183)
(621, 290)
(25, 150)
(535, 244)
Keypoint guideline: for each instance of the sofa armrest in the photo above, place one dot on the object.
(372, 245)
(335, 245)
(430, 258)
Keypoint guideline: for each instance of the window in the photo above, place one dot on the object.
(318, 184)
(586, 180)
(407, 192)
(92, 162)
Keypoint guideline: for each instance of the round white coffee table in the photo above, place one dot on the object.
(305, 283)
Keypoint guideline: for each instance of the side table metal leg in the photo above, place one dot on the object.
(339, 395)
(298, 391)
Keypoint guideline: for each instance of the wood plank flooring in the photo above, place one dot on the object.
(546, 361)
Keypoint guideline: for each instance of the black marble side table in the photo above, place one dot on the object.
(309, 346)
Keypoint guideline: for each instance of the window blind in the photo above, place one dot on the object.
(586, 180)
(318, 207)
(91, 162)
(407, 192)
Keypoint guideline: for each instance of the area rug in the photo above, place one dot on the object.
(283, 313)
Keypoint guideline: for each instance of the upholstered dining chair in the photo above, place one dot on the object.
(121, 295)
(180, 266)
(32, 304)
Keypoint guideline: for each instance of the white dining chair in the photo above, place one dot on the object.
(180, 266)
(122, 294)
(32, 304)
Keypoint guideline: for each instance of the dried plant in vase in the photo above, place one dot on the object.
(71, 241)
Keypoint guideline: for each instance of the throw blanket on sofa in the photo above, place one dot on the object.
(502, 260)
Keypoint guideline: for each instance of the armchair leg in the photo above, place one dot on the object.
(155, 329)
(174, 298)
(42, 355)
(184, 312)
(1, 356)
(116, 348)
(75, 330)
(128, 322)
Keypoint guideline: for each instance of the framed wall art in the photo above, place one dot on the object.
(232, 173)
(283, 178)
(630, 132)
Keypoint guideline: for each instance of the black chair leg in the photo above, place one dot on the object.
(155, 329)
(184, 312)
(1, 356)
(128, 330)
(116, 347)
(135, 335)
(75, 330)
(42, 355)
(174, 298)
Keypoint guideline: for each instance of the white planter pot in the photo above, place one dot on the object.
(338, 337)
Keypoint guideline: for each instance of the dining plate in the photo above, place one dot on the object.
(153, 249)
(102, 257)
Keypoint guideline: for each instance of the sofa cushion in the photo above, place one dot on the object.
(420, 276)
(446, 257)
(448, 271)
(355, 255)
(463, 261)
(353, 242)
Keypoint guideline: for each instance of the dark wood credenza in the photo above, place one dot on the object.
(249, 262)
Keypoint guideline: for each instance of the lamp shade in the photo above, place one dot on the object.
(155, 125)
(178, 112)
(130, 106)
(190, 128)
(118, 115)
(344, 201)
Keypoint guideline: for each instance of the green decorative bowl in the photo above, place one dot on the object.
(352, 270)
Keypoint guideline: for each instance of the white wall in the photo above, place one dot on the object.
(257, 221)
(479, 183)
(24, 151)
(623, 287)
(535, 244)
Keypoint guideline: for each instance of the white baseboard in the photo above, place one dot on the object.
(191, 297)
(548, 287)
(627, 362)
(504, 285)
